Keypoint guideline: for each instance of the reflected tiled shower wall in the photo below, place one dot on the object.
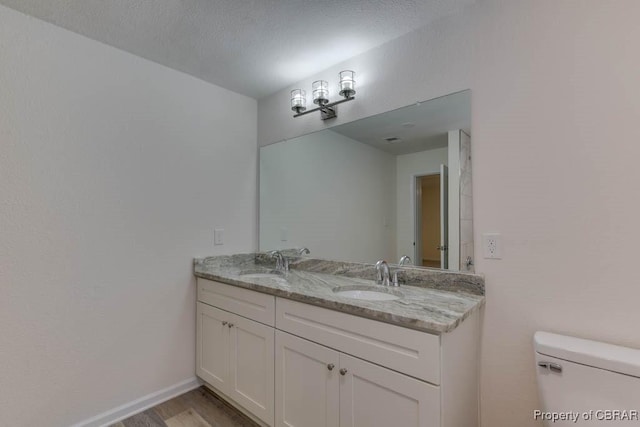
(466, 203)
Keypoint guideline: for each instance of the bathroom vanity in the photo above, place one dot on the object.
(294, 349)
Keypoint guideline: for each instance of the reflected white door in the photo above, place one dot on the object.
(444, 217)
(431, 231)
(417, 221)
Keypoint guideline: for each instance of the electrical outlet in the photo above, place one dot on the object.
(492, 245)
(218, 236)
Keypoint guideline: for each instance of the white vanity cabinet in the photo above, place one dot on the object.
(320, 387)
(235, 354)
(307, 383)
(212, 345)
(332, 369)
(375, 397)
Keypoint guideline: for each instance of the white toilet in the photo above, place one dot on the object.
(586, 383)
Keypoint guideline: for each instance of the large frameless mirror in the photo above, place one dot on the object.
(386, 186)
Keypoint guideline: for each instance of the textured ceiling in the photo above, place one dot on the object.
(419, 127)
(254, 47)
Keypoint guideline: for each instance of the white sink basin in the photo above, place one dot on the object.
(261, 274)
(367, 293)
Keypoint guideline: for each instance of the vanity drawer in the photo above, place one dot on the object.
(250, 304)
(404, 350)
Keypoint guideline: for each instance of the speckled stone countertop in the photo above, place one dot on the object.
(424, 307)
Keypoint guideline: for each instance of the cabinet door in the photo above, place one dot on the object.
(307, 384)
(252, 367)
(372, 396)
(212, 346)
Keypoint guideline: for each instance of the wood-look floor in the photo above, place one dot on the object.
(197, 408)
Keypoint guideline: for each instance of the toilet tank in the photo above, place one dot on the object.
(582, 382)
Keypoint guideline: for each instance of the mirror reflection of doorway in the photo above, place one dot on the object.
(431, 219)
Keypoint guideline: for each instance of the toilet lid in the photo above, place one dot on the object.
(611, 357)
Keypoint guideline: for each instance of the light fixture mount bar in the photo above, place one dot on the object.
(327, 111)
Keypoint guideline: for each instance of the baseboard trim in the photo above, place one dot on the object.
(121, 412)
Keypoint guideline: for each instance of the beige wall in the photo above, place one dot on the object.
(547, 76)
(113, 173)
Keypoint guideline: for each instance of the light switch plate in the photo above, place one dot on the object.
(218, 236)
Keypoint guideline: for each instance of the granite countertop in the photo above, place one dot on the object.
(422, 308)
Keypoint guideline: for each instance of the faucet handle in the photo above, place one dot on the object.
(395, 281)
(304, 251)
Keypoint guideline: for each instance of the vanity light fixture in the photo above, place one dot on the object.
(320, 91)
(347, 83)
(298, 100)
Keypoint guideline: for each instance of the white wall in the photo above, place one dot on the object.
(332, 194)
(408, 166)
(546, 76)
(113, 172)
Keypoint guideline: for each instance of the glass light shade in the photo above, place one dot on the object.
(298, 100)
(347, 83)
(320, 92)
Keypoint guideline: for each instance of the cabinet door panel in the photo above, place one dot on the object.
(307, 391)
(212, 348)
(252, 367)
(372, 396)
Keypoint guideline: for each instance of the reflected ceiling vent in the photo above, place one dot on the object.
(393, 140)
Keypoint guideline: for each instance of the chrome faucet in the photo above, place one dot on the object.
(304, 251)
(468, 263)
(382, 273)
(282, 262)
(404, 259)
